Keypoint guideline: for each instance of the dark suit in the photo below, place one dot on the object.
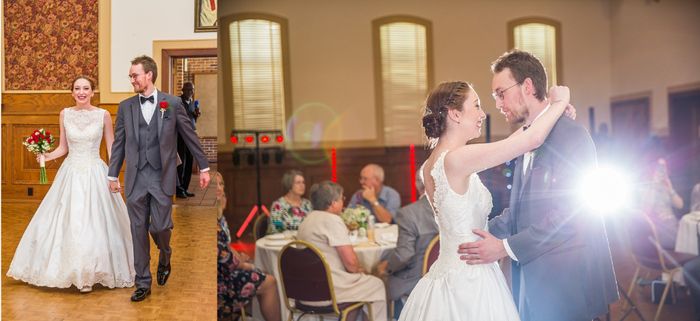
(417, 228)
(150, 178)
(561, 246)
(184, 170)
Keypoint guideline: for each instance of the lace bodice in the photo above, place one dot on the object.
(457, 214)
(83, 130)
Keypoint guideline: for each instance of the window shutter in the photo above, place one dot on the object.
(257, 75)
(404, 74)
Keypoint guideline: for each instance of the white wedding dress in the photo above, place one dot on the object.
(452, 289)
(80, 234)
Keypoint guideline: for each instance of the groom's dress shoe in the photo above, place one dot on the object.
(140, 294)
(163, 274)
(180, 195)
(189, 194)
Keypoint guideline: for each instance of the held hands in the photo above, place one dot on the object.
(381, 268)
(488, 250)
(114, 186)
(204, 180)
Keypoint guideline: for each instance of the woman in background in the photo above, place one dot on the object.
(238, 279)
(662, 199)
(287, 212)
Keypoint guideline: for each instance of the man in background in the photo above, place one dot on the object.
(404, 265)
(184, 170)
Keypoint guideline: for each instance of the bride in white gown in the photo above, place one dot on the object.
(452, 289)
(80, 234)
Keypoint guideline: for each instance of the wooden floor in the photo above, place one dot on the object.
(189, 295)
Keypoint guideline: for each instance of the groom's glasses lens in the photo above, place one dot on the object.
(134, 76)
(498, 94)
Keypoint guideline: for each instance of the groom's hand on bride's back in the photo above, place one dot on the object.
(489, 249)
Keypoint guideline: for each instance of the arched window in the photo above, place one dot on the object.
(541, 37)
(403, 76)
(255, 67)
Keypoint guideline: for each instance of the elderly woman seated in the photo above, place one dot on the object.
(287, 212)
(326, 230)
(237, 278)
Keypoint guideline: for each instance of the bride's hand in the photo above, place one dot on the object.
(559, 94)
(38, 158)
(570, 111)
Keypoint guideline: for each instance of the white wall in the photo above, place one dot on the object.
(655, 45)
(135, 24)
(331, 60)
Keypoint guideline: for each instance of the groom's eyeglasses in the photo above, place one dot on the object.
(498, 94)
(134, 76)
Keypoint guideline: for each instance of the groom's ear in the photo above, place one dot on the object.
(528, 87)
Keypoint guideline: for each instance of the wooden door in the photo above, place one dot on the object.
(684, 124)
(630, 127)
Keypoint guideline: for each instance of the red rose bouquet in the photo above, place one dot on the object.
(40, 142)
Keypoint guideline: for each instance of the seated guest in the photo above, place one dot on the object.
(695, 198)
(237, 278)
(383, 201)
(404, 264)
(662, 198)
(287, 212)
(691, 274)
(326, 230)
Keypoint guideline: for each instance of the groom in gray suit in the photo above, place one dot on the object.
(146, 135)
(562, 268)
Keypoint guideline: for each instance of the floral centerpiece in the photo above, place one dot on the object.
(355, 217)
(40, 142)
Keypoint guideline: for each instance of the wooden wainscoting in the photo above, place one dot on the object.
(21, 114)
(240, 180)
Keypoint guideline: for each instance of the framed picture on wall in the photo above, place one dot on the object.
(205, 16)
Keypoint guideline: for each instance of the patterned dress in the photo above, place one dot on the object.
(236, 286)
(284, 216)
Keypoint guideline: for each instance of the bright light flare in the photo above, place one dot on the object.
(605, 189)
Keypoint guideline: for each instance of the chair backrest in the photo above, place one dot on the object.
(431, 254)
(260, 226)
(644, 243)
(305, 275)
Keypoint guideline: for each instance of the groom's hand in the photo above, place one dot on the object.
(488, 250)
(204, 180)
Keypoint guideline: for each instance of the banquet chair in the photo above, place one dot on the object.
(260, 226)
(649, 256)
(306, 277)
(431, 254)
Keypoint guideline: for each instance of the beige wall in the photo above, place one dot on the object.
(654, 46)
(206, 94)
(331, 50)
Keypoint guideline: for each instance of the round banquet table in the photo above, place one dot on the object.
(688, 232)
(369, 254)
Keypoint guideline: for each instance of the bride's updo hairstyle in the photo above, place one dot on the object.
(447, 95)
(92, 82)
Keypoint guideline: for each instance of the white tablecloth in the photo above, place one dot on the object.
(267, 250)
(688, 231)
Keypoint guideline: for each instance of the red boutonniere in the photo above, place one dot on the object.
(163, 108)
